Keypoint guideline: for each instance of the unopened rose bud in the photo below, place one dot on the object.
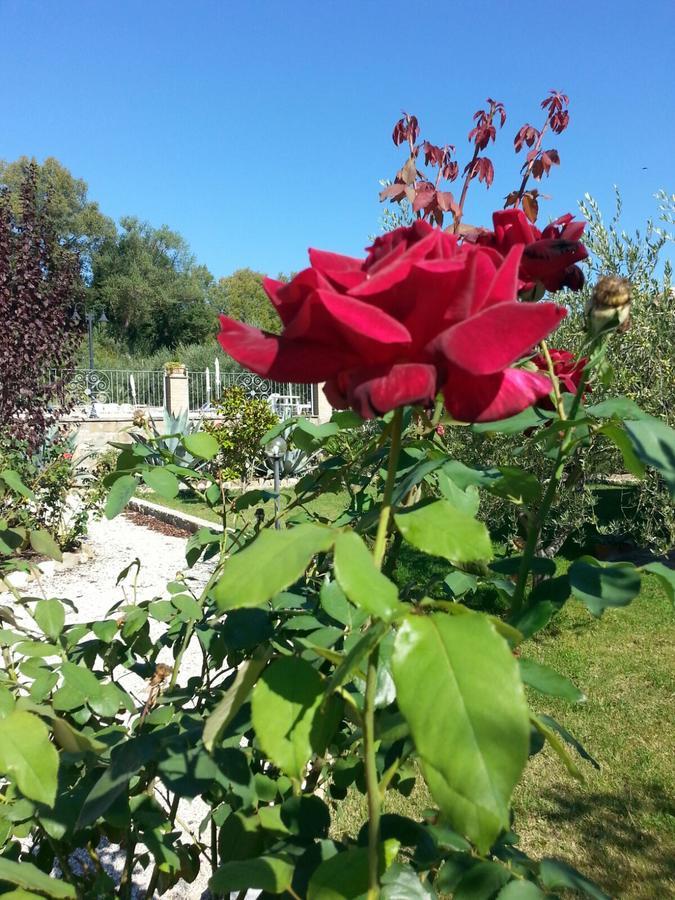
(609, 305)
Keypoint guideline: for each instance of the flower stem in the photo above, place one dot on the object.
(554, 381)
(547, 500)
(372, 783)
(385, 510)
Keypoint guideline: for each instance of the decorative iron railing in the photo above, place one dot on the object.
(141, 388)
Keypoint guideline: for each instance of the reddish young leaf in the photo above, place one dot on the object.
(530, 207)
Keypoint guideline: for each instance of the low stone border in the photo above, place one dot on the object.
(171, 516)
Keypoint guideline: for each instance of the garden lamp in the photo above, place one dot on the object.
(275, 451)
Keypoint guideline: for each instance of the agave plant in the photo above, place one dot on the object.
(168, 440)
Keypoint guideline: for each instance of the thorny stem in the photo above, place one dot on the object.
(548, 498)
(373, 788)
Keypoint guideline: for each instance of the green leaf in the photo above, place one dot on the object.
(548, 681)
(266, 873)
(126, 760)
(555, 874)
(13, 481)
(516, 484)
(50, 617)
(11, 539)
(403, 883)
(42, 542)
(465, 499)
(442, 530)
(28, 756)
(621, 440)
(120, 493)
(288, 718)
(654, 444)
(601, 585)
(551, 724)
(201, 444)
(161, 482)
(481, 881)
(346, 419)
(234, 698)
(345, 875)
(275, 560)
(458, 687)
(616, 407)
(521, 890)
(357, 653)
(187, 606)
(29, 877)
(362, 581)
(528, 418)
(665, 576)
(74, 741)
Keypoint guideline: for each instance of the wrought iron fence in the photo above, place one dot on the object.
(122, 387)
(134, 387)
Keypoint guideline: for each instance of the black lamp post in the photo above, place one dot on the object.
(91, 319)
(275, 451)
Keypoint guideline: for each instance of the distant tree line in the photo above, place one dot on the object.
(153, 291)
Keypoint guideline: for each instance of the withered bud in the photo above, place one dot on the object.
(611, 291)
(609, 304)
(139, 419)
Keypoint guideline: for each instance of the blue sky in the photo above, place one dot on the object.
(260, 128)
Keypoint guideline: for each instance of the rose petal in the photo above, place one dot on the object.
(281, 359)
(504, 287)
(488, 398)
(364, 319)
(344, 271)
(498, 336)
(406, 383)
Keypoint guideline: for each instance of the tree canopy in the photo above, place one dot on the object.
(77, 221)
(153, 291)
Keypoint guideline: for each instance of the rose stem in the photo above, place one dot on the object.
(373, 788)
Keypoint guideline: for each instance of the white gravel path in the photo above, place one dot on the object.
(92, 588)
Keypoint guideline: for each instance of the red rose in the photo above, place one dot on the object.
(423, 313)
(549, 256)
(568, 370)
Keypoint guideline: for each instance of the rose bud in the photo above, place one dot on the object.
(609, 304)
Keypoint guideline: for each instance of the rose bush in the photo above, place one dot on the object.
(324, 671)
(422, 313)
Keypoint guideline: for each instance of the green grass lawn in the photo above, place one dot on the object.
(619, 825)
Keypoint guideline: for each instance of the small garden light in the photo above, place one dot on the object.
(275, 451)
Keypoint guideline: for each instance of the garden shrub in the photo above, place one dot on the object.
(242, 421)
(59, 486)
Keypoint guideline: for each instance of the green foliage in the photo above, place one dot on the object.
(241, 296)
(76, 220)
(56, 486)
(328, 668)
(242, 422)
(639, 368)
(151, 289)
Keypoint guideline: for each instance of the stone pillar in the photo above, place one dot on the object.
(177, 397)
(323, 408)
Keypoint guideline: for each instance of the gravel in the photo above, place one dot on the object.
(92, 587)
